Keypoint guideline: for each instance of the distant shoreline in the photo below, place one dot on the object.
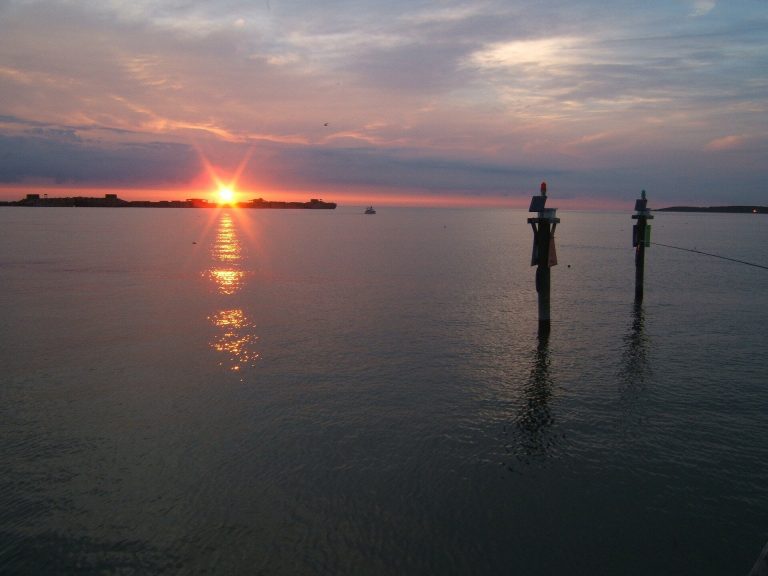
(717, 209)
(112, 201)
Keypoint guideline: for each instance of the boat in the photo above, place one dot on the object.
(370, 210)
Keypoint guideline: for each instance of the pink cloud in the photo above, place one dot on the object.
(732, 142)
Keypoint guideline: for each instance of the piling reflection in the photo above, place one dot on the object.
(235, 338)
(532, 437)
(635, 366)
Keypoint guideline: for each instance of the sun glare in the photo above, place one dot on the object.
(226, 195)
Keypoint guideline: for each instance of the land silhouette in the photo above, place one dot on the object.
(112, 201)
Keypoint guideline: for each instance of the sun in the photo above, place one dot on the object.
(226, 195)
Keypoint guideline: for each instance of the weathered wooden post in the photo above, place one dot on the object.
(544, 255)
(641, 239)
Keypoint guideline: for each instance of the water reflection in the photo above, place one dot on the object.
(532, 437)
(235, 338)
(635, 366)
(227, 272)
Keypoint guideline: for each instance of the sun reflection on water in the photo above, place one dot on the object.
(227, 281)
(235, 338)
(227, 272)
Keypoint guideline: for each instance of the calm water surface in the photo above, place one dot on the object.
(323, 392)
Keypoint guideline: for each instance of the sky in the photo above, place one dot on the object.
(367, 101)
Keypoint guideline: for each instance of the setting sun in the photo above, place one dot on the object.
(226, 195)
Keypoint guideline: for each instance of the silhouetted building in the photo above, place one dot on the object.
(198, 203)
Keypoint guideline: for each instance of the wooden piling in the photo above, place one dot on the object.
(641, 239)
(543, 255)
(640, 262)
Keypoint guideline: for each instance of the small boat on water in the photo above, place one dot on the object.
(370, 210)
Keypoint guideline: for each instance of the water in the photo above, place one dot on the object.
(323, 392)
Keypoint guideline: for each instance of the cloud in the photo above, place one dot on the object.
(401, 167)
(416, 94)
(703, 7)
(732, 142)
(540, 52)
(64, 156)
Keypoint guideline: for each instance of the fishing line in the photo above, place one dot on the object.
(713, 255)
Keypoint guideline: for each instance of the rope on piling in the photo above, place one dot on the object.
(710, 254)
